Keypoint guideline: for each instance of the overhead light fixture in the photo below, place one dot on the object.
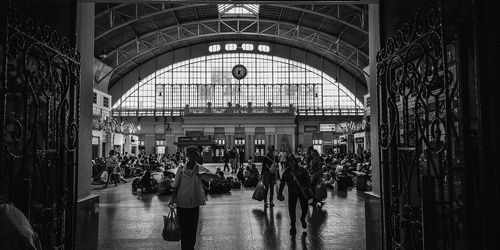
(103, 54)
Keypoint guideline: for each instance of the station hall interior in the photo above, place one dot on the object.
(389, 106)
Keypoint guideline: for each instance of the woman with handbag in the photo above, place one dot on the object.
(298, 183)
(269, 175)
(188, 196)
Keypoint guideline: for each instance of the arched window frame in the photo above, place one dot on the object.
(288, 77)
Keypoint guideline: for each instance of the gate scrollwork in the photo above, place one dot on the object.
(418, 135)
(40, 116)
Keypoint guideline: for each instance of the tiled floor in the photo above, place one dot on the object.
(231, 221)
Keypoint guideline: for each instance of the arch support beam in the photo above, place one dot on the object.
(281, 31)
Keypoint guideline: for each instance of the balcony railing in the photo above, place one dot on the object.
(193, 111)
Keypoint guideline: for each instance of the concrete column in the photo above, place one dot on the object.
(248, 149)
(374, 220)
(150, 143)
(251, 152)
(292, 147)
(269, 139)
(87, 217)
(250, 134)
(230, 134)
(85, 43)
(170, 139)
(374, 47)
(109, 143)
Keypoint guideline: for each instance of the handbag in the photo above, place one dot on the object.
(260, 192)
(307, 193)
(171, 230)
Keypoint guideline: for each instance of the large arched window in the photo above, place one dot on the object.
(269, 79)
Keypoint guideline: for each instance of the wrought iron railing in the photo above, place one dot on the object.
(237, 111)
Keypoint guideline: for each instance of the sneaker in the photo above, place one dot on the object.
(304, 224)
(293, 231)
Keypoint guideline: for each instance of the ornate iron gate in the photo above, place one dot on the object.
(39, 124)
(420, 147)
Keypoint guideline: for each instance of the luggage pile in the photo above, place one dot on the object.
(221, 186)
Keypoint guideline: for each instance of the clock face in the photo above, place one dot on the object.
(239, 72)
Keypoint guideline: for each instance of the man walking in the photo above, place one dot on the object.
(232, 159)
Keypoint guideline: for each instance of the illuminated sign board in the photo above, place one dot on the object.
(327, 127)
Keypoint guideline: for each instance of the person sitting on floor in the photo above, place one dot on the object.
(148, 183)
(165, 184)
(220, 173)
(252, 178)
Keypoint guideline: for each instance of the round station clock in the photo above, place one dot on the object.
(239, 71)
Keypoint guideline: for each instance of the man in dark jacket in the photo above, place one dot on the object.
(232, 159)
(293, 176)
(226, 159)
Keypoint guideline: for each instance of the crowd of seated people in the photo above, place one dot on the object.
(130, 166)
(336, 170)
(347, 170)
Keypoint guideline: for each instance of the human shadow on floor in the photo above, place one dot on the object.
(267, 227)
(146, 199)
(341, 193)
(303, 241)
(317, 223)
(219, 195)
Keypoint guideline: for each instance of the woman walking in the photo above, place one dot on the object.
(296, 178)
(188, 196)
(268, 176)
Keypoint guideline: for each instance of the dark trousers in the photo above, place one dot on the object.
(226, 165)
(233, 165)
(292, 205)
(315, 182)
(269, 189)
(110, 173)
(188, 223)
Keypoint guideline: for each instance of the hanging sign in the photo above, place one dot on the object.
(311, 129)
(327, 127)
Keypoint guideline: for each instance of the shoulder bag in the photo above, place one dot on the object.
(307, 193)
(274, 166)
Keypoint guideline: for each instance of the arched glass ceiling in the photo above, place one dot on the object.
(197, 81)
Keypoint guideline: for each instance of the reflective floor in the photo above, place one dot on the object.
(231, 221)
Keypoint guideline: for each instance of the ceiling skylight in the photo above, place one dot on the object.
(238, 9)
